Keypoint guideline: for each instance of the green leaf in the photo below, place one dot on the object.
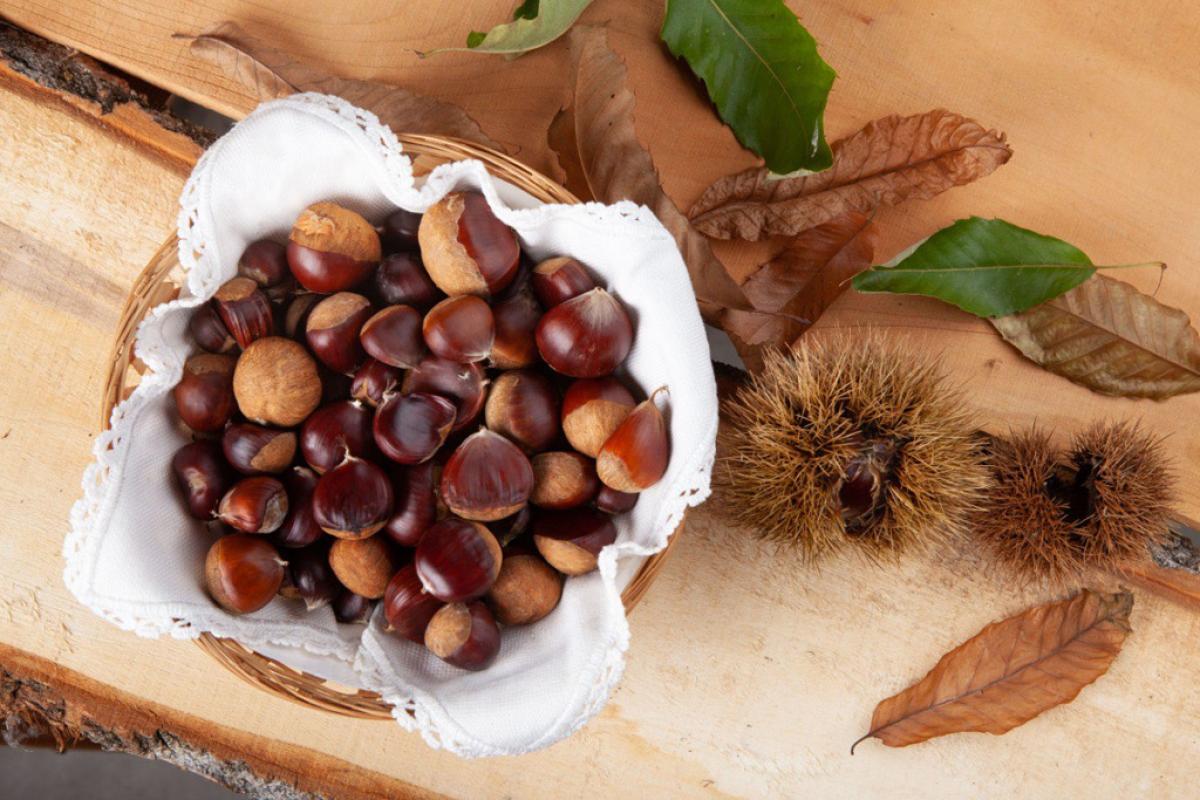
(988, 267)
(535, 23)
(763, 72)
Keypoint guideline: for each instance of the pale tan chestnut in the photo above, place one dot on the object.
(276, 382)
(635, 457)
(364, 566)
(592, 409)
(563, 480)
(526, 590)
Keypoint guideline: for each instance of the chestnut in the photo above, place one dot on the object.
(610, 501)
(364, 566)
(352, 609)
(416, 504)
(332, 330)
(510, 529)
(398, 233)
(571, 540)
(335, 431)
(254, 505)
(204, 396)
(243, 573)
(202, 475)
(335, 387)
(245, 311)
(276, 382)
(331, 248)
(209, 331)
(523, 405)
(402, 280)
(407, 606)
(409, 428)
(635, 456)
(466, 249)
(373, 381)
(265, 263)
(486, 478)
(592, 409)
(587, 336)
(526, 590)
(353, 500)
(557, 280)
(252, 449)
(295, 318)
(310, 578)
(393, 336)
(563, 480)
(464, 635)
(457, 560)
(460, 329)
(464, 384)
(516, 318)
(299, 529)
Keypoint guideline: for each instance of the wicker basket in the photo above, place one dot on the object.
(160, 282)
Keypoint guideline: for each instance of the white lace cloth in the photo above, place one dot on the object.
(134, 557)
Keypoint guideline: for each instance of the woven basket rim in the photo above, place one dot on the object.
(153, 287)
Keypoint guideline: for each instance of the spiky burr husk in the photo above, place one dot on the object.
(1055, 516)
(849, 443)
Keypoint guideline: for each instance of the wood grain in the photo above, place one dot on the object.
(747, 677)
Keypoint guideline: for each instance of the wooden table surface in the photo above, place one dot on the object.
(748, 676)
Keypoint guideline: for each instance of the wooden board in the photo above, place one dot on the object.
(747, 677)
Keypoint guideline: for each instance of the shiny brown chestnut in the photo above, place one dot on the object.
(204, 396)
(416, 504)
(352, 609)
(511, 529)
(571, 540)
(332, 330)
(457, 560)
(592, 409)
(265, 263)
(557, 280)
(635, 457)
(245, 310)
(209, 331)
(526, 590)
(610, 501)
(407, 606)
(373, 380)
(276, 382)
(253, 449)
(310, 578)
(464, 635)
(295, 318)
(393, 335)
(587, 336)
(523, 405)
(334, 431)
(353, 500)
(299, 529)
(335, 387)
(464, 384)
(202, 475)
(401, 280)
(398, 232)
(331, 249)
(254, 505)
(409, 428)
(563, 480)
(460, 329)
(364, 566)
(466, 249)
(243, 573)
(486, 478)
(516, 318)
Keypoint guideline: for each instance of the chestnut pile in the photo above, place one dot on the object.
(337, 409)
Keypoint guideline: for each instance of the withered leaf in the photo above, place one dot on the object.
(616, 166)
(1108, 336)
(804, 278)
(1010, 671)
(268, 73)
(561, 138)
(889, 161)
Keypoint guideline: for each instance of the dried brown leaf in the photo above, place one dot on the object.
(569, 172)
(889, 161)
(1010, 671)
(1108, 336)
(269, 73)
